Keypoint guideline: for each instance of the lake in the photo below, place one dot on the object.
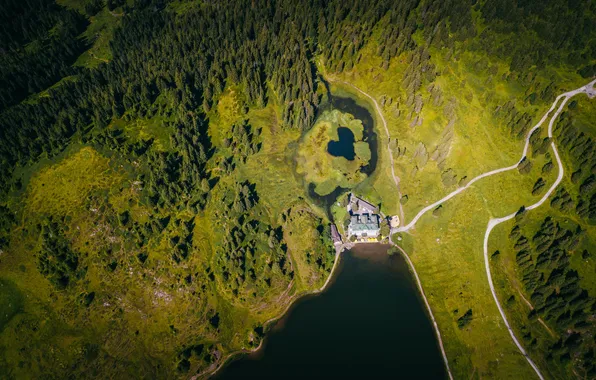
(349, 105)
(369, 323)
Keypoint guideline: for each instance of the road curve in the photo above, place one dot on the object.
(492, 223)
(590, 91)
(479, 177)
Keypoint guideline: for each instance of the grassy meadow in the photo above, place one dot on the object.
(454, 137)
(163, 226)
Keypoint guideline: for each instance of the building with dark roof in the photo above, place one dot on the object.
(360, 206)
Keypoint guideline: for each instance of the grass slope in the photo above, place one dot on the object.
(455, 136)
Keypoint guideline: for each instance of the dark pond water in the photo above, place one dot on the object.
(344, 147)
(349, 105)
(368, 324)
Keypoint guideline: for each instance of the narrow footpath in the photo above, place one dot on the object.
(493, 222)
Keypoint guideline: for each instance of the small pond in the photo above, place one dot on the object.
(349, 105)
(344, 147)
(370, 323)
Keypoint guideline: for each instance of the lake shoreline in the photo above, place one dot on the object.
(292, 302)
(428, 310)
(375, 303)
(344, 92)
(371, 133)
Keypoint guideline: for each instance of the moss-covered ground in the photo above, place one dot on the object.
(323, 169)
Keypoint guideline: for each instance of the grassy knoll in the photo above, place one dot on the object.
(341, 217)
(326, 171)
(155, 129)
(229, 110)
(56, 190)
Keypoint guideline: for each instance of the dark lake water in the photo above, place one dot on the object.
(344, 147)
(368, 324)
(349, 105)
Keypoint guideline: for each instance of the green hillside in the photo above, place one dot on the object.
(158, 160)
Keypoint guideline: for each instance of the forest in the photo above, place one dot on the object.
(121, 204)
(38, 47)
(555, 290)
(544, 249)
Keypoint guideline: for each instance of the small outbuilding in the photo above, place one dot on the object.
(394, 221)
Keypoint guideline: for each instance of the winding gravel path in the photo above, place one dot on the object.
(477, 178)
(493, 222)
(589, 90)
